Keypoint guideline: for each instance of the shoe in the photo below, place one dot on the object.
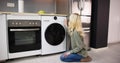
(86, 59)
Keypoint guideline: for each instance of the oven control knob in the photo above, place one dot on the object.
(16, 23)
(33, 23)
(20, 23)
(36, 23)
(13, 23)
(29, 22)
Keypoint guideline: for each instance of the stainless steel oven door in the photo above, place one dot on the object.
(24, 39)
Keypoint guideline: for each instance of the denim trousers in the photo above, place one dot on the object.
(71, 58)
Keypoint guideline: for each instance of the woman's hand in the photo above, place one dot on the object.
(66, 54)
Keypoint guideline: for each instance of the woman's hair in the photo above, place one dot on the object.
(75, 23)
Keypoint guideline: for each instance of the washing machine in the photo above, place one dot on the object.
(53, 34)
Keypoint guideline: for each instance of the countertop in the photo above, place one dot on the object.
(46, 14)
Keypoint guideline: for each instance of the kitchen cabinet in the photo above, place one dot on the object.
(33, 6)
(3, 38)
(63, 6)
(9, 5)
(30, 6)
(99, 23)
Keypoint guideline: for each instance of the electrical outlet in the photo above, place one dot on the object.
(10, 4)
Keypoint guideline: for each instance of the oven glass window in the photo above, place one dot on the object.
(24, 38)
(20, 41)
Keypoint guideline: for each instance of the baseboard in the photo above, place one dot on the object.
(113, 43)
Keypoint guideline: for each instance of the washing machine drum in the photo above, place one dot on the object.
(55, 34)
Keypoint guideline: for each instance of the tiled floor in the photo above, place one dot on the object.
(110, 54)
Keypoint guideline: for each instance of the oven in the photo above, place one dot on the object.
(24, 37)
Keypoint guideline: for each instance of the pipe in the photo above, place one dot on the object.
(20, 6)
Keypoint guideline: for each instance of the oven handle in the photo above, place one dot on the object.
(34, 29)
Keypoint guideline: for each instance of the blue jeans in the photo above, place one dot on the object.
(71, 58)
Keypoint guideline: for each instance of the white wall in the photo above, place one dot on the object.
(114, 22)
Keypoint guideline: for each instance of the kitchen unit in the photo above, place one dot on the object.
(24, 35)
(24, 29)
(28, 34)
(99, 23)
(3, 38)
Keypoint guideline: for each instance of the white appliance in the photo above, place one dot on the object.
(53, 34)
(3, 38)
(24, 32)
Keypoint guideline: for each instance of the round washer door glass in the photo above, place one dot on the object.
(55, 34)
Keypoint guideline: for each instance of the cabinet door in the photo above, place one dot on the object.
(3, 38)
(99, 23)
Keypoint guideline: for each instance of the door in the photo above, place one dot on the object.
(55, 34)
(24, 39)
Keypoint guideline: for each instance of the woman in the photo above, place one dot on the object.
(78, 53)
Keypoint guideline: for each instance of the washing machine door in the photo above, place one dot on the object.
(55, 34)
